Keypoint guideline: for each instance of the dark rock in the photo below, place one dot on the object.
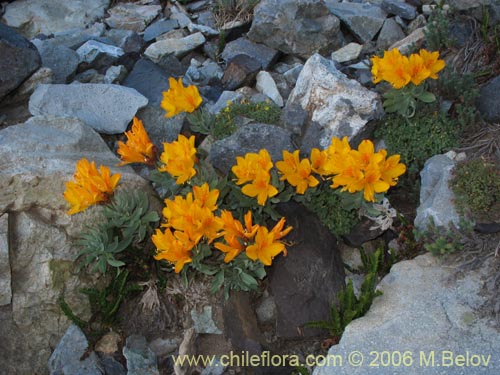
(18, 59)
(127, 40)
(62, 60)
(296, 27)
(172, 66)
(250, 138)
(364, 20)
(294, 118)
(487, 228)
(389, 34)
(264, 55)
(158, 28)
(460, 31)
(110, 365)
(361, 233)
(206, 18)
(241, 71)
(298, 281)
(399, 8)
(140, 359)
(487, 102)
(149, 79)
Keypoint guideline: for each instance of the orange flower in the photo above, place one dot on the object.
(232, 249)
(90, 186)
(260, 187)
(206, 198)
(417, 69)
(297, 172)
(180, 99)
(139, 148)
(319, 159)
(179, 158)
(432, 62)
(391, 169)
(174, 248)
(265, 247)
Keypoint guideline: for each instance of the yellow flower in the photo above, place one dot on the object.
(234, 228)
(232, 249)
(417, 69)
(432, 63)
(205, 197)
(174, 248)
(265, 247)
(260, 187)
(139, 148)
(179, 158)
(180, 99)
(319, 159)
(91, 186)
(297, 172)
(391, 169)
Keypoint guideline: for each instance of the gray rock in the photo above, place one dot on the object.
(206, 18)
(226, 96)
(203, 321)
(349, 52)
(411, 42)
(240, 71)
(23, 92)
(106, 108)
(32, 17)
(62, 60)
(38, 157)
(436, 197)
(140, 359)
(163, 347)
(419, 21)
(399, 8)
(98, 55)
(66, 358)
(487, 102)
(158, 28)
(292, 75)
(389, 34)
(148, 79)
(294, 118)
(364, 20)
(250, 138)
(217, 368)
(5, 277)
(180, 17)
(266, 310)
(205, 30)
(205, 73)
(160, 128)
(172, 66)
(115, 74)
(130, 16)
(127, 40)
(176, 46)
(267, 86)
(19, 60)
(339, 105)
(426, 307)
(297, 282)
(299, 27)
(89, 76)
(264, 55)
(74, 38)
(110, 366)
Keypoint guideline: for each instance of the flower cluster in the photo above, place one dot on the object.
(296, 172)
(400, 70)
(179, 158)
(266, 244)
(90, 186)
(254, 168)
(192, 219)
(180, 99)
(139, 148)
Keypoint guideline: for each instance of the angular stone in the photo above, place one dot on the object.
(177, 47)
(19, 59)
(390, 33)
(426, 308)
(339, 105)
(364, 20)
(74, 38)
(115, 74)
(205, 73)
(487, 102)
(158, 28)
(130, 16)
(62, 60)
(296, 27)
(250, 138)
(347, 53)
(436, 197)
(66, 358)
(127, 40)
(222, 102)
(399, 8)
(98, 55)
(180, 17)
(267, 86)
(240, 71)
(297, 282)
(140, 359)
(32, 17)
(41, 76)
(106, 108)
(414, 40)
(5, 277)
(264, 55)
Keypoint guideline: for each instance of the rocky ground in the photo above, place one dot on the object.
(73, 74)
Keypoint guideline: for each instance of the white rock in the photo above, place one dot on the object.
(91, 50)
(115, 74)
(130, 16)
(267, 86)
(178, 47)
(347, 53)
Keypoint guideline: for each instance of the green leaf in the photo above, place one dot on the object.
(217, 282)
(115, 263)
(427, 97)
(248, 280)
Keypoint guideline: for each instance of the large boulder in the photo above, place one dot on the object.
(337, 106)
(107, 108)
(18, 59)
(37, 158)
(296, 27)
(430, 319)
(32, 17)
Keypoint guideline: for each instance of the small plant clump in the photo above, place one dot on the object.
(437, 31)
(439, 241)
(476, 184)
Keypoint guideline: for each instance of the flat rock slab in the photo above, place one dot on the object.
(263, 54)
(32, 17)
(106, 108)
(130, 16)
(426, 307)
(176, 46)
